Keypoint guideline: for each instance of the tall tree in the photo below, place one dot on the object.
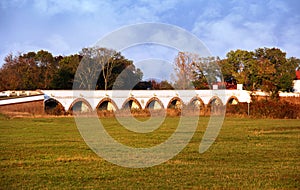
(267, 69)
(46, 64)
(183, 75)
(100, 67)
(193, 71)
(276, 71)
(206, 72)
(124, 75)
(64, 75)
(19, 73)
(95, 61)
(128, 78)
(240, 63)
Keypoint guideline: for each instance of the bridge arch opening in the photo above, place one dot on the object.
(80, 105)
(196, 103)
(154, 104)
(53, 107)
(175, 103)
(215, 105)
(215, 101)
(232, 101)
(131, 104)
(107, 104)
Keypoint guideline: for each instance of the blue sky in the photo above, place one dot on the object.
(65, 27)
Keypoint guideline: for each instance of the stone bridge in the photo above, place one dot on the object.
(112, 100)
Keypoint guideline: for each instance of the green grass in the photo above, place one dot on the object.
(49, 153)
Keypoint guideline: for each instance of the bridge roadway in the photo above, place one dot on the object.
(84, 100)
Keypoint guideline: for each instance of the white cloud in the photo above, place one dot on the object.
(290, 40)
(247, 26)
(69, 25)
(52, 7)
(58, 44)
(156, 61)
(277, 6)
(5, 4)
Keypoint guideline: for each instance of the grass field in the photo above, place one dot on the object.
(49, 153)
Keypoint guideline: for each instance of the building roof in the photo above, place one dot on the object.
(297, 75)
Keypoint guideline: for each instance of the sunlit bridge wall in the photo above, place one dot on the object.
(87, 101)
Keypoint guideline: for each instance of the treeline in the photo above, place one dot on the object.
(267, 69)
(42, 70)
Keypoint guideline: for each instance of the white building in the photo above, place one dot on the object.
(297, 82)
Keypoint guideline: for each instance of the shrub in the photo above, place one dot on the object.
(57, 110)
(266, 109)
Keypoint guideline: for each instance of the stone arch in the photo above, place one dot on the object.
(107, 104)
(196, 103)
(131, 103)
(53, 106)
(215, 105)
(216, 101)
(154, 103)
(80, 105)
(233, 100)
(175, 103)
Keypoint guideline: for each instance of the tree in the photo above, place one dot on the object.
(124, 75)
(128, 78)
(276, 71)
(165, 85)
(9, 79)
(267, 69)
(240, 63)
(162, 85)
(227, 70)
(19, 73)
(206, 72)
(100, 67)
(183, 70)
(193, 70)
(46, 64)
(64, 75)
(95, 61)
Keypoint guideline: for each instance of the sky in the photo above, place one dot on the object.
(64, 27)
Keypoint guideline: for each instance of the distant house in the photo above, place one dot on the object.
(224, 85)
(297, 82)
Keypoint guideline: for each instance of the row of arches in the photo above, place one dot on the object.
(154, 103)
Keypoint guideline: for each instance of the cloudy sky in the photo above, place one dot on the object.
(66, 26)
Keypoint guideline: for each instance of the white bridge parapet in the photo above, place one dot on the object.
(21, 100)
(142, 98)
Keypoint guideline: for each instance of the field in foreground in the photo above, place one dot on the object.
(49, 153)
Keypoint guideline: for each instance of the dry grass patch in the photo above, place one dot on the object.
(78, 158)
